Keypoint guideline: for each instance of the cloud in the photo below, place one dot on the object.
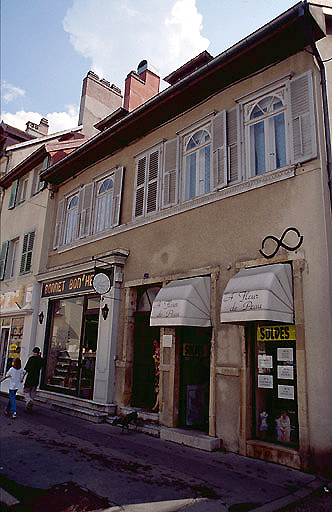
(10, 92)
(58, 121)
(116, 36)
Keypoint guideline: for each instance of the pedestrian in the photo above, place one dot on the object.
(16, 376)
(32, 369)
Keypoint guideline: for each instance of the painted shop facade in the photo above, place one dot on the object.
(190, 270)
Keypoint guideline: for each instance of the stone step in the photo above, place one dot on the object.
(79, 412)
(49, 398)
(191, 438)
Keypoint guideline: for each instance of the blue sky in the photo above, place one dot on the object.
(47, 46)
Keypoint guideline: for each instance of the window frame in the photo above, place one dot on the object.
(74, 221)
(186, 154)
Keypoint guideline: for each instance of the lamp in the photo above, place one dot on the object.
(104, 311)
(41, 317)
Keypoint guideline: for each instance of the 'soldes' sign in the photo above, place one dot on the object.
(69, 285)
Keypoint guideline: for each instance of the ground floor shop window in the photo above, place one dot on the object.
(274, 387)
(72, 345)
(10, 341)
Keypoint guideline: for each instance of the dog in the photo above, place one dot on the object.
(125, 421)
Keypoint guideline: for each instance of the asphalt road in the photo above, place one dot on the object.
(49, 452)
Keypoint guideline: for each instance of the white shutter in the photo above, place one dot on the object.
(170, 181)
(59, 224)
(233, 145)
(140, 187)
(219, 152)
(152, 182)
(85, 210)
(117, 192)
(303, 133)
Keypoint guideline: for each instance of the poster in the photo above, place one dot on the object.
(265, 361)
(167, 340)
(265, 381)
(285, 372)
(285, 354)
(286, 392)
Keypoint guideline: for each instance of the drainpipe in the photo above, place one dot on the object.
(325, 101)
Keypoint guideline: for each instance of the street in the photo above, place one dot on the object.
(60, 454)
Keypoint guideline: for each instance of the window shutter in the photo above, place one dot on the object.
(233, 145)
(152, 185)
(85, 210)
(117, 192)
(303, 131)
(13, 194)
(26, 260)
(59, 224)
(3, 258)
(219, 153)
(170, 181)
(140, 185)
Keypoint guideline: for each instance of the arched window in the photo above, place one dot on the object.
(71, 219)
(197, 157)
(267, 135)
(104, 203)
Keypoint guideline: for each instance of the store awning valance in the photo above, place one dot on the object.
(259, 293)
(183, 302)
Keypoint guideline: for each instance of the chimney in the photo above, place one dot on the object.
(140, 86)
(99, 98)
(38, 130)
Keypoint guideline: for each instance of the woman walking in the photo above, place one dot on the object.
(16, 376)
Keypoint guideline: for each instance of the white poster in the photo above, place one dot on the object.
(167, 340)
(286, 392)
(265, 361)
(265, 381)
(285, 354)
(285, 372)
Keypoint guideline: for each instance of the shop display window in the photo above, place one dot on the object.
(275, 390)
(10, 342)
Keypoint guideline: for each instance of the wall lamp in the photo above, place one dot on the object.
(41, 317)
(104, 311)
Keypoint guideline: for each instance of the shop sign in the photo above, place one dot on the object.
(276, 333)
(194, 350)
(69, 285)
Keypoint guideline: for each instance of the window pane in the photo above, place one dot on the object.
(280, 140)
(204, 170)
(258, 141)
(190, 176)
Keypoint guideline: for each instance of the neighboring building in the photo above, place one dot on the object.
(208, 209)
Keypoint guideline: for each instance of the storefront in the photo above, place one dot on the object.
(10, 341)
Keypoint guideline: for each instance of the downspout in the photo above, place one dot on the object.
(325, 103)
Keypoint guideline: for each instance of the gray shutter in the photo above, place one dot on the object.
(170, 181)
(59, 224)
(13, 194)
(233, 145)
(117, 192)
(219, 152)
(140, 187)
(26, 260)
(85, 210)
(3, 258)
(303, 131)
(152, 184)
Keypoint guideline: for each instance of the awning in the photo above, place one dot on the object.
(183, 302)
(259, 293)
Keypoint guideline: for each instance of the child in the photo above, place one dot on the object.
(16, 376)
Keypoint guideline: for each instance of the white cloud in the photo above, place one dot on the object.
(116, 36)
(10, 92)
(58, 121)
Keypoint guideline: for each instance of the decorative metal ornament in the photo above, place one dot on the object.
(280, 243)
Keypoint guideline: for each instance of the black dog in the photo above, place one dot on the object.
(125, 421)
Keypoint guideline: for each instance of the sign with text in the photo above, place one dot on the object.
(68, 285)
(276, 333)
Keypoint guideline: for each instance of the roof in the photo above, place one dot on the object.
(188, 67)
(10, 135)
(274, 42)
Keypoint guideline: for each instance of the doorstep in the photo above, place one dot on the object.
(190, 438)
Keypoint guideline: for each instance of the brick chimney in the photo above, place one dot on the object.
(38, 130)
(140, 86)
(99, 98)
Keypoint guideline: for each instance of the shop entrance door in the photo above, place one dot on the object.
(87, 361)
(194, 377)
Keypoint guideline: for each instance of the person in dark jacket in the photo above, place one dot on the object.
(32, 369)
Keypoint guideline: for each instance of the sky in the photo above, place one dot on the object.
(48, 46)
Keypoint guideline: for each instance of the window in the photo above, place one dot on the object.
(3, 259)
(13, 253)
(13, 194)
(197, 164)
(8, 258)
(147, 183)
(22, 190)
(71, 219)
(37, 184)
(26, 259)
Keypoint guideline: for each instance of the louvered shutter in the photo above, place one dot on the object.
(152, 184)
(140, 186)
(170, 181)
(27, 250)
(303, 130)
(233, 145)
(219, 152)
(117, 192)
(59, 224)
(3, 258)
(85, 210)
(13, 194)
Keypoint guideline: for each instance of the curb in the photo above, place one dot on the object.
(158, 506)
(7, 499)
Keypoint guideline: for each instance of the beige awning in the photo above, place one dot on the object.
(183, 302)
(259, 293)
